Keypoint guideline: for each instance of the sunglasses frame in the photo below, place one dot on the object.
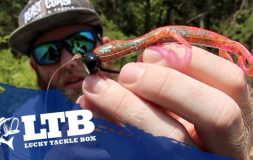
(62, 42)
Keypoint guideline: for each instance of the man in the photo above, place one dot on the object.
(43, 70)
(191, 103)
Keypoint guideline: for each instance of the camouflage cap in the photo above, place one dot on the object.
(40, 16)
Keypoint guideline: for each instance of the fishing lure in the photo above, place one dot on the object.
(185, 35)
(181, 34)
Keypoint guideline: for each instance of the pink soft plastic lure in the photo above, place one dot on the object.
(181, 34)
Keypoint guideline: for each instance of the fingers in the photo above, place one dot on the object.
(209, 69)
(168, 88)
(205, 67)
(85, 103)
(126, 107)
(214, 114)
(209, 92)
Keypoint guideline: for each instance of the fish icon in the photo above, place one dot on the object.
(8, 127)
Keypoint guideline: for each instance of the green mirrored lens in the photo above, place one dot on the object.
(50, 53)
(47, 53)
(81, 42)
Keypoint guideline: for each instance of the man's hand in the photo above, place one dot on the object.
(205, 102)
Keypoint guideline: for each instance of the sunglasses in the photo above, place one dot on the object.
(50, 52)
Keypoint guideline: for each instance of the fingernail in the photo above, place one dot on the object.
(131, 73)
(94, 84)
(169, 57)
(151, 55)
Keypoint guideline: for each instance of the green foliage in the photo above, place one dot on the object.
(135, 18)
(9, 10)
(240, 28)
(16, 72)
(112, 31)
(128, 19)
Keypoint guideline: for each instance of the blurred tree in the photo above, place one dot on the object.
(138, 17)
(240, 24)
(9, 10)
(127, 19)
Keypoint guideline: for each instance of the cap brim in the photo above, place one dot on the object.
(21, 39)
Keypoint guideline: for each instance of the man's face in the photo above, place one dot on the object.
(70, 77)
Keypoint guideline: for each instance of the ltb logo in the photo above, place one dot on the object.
(79, 123)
